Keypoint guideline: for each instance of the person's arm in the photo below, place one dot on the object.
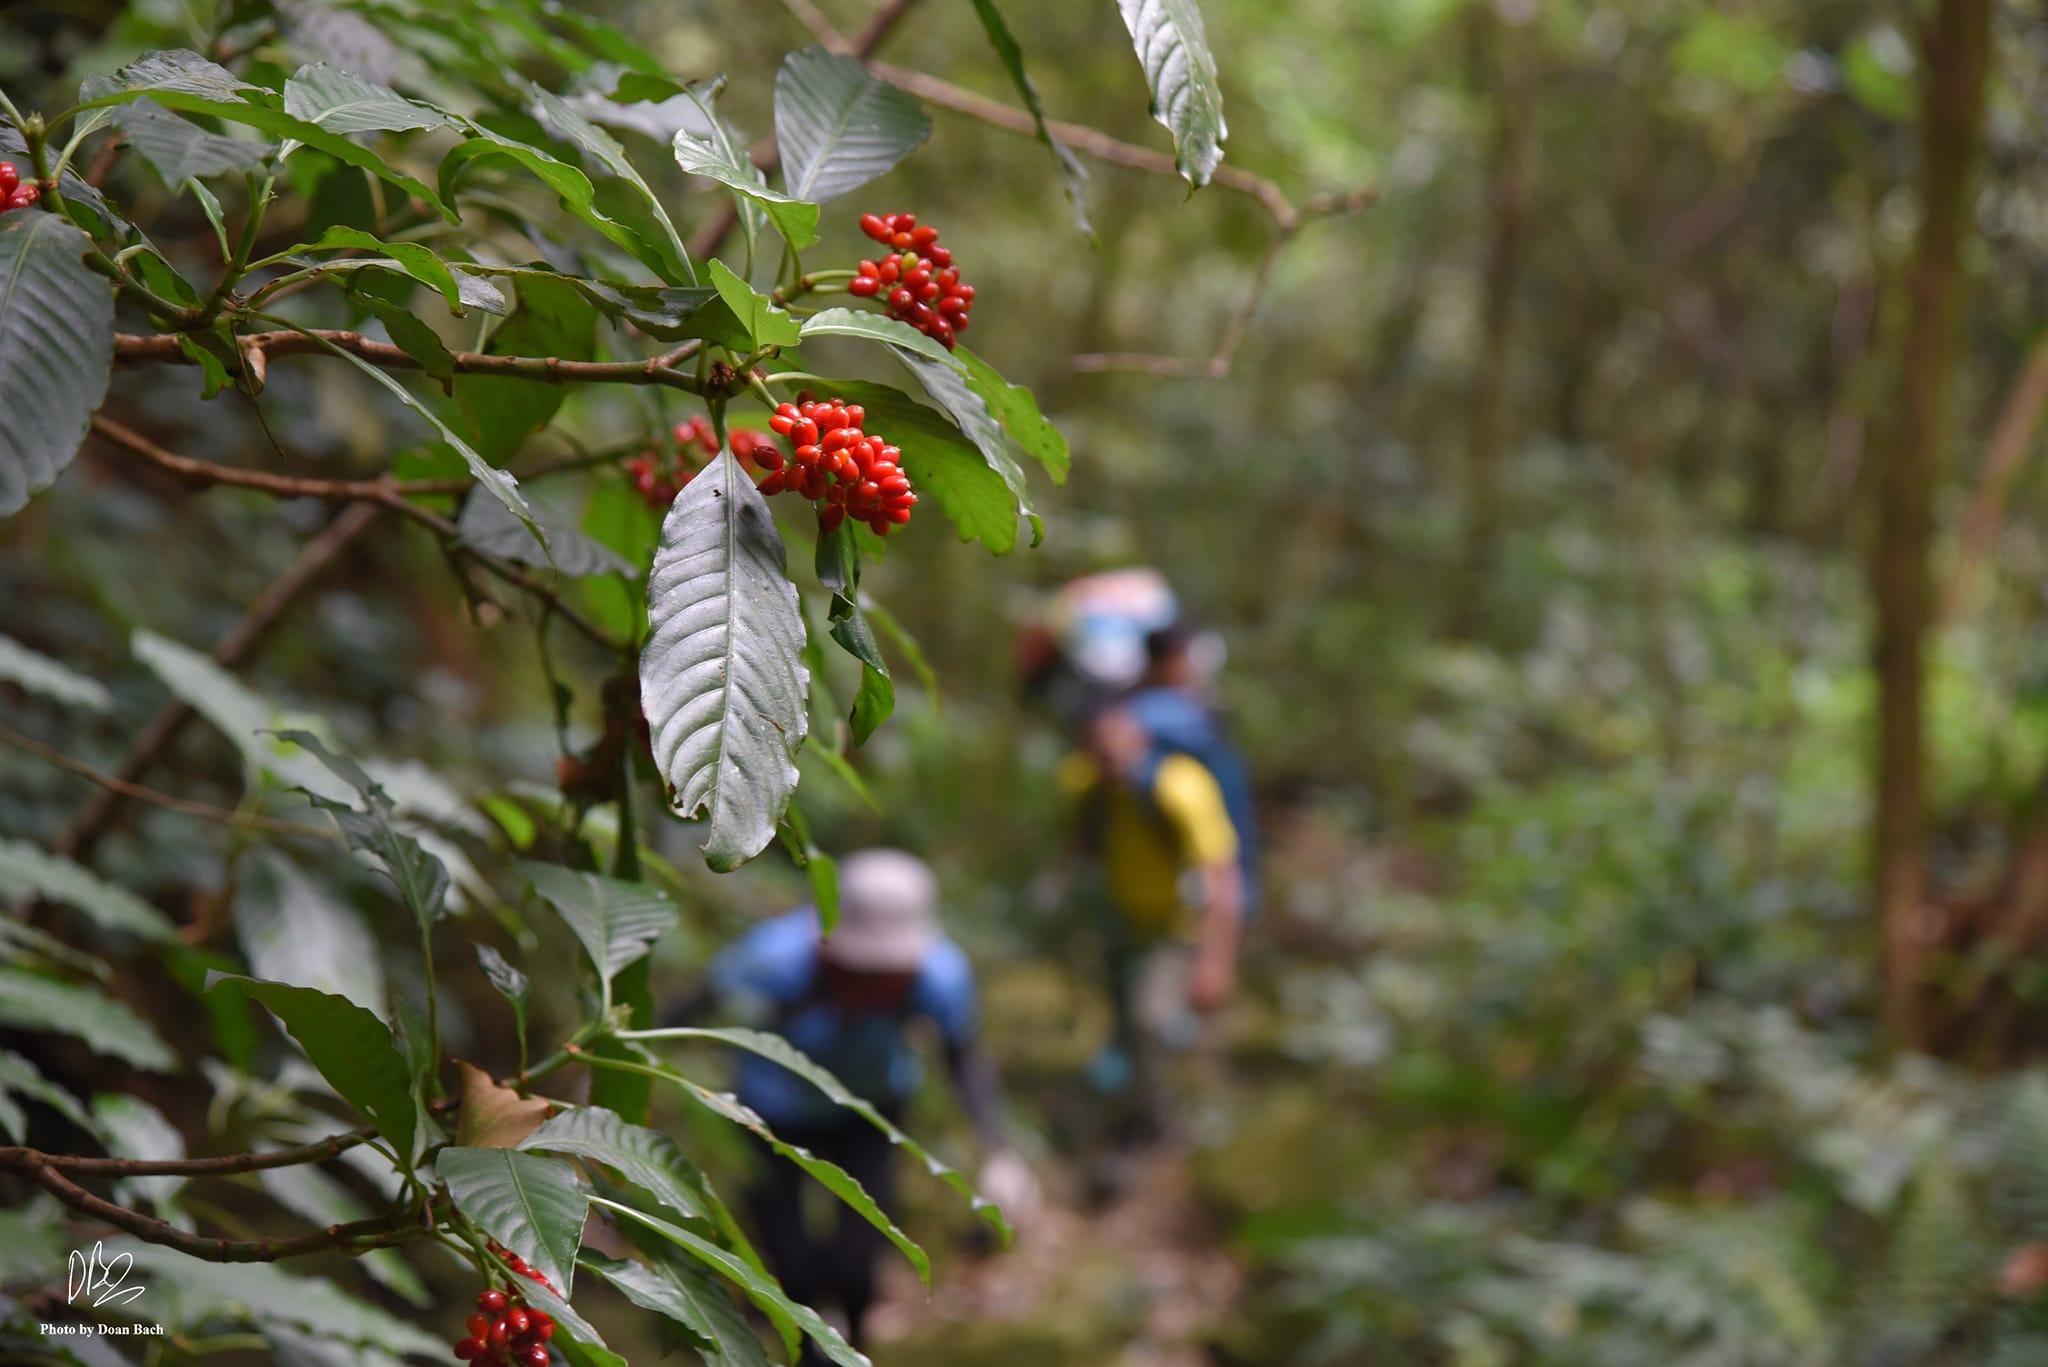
(981, 1095)
(1215, 972)
(1188, 794)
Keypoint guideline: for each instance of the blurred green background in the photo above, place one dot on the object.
(1558, 1044)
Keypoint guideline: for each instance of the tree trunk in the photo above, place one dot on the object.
(1958, 46)
(1513, 53)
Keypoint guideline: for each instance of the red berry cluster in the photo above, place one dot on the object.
(660, 476)
(918, 280)
(856, 475)
(16, 193)
(505, 1333)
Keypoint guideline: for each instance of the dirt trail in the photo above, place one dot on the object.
(1141, 1282)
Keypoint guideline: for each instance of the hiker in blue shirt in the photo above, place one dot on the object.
(850, 1001)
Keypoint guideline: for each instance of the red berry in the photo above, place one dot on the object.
(924, 237)
(478, 1325)
(535, 1356)
(863, 286)
(519, 1321)
(491, 1302)
(941, 256)
(465, 1349)
(23, 196)
(9, 177)
(500, 1334)
(874, 227)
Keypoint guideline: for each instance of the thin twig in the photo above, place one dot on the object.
(207, 811)
(1288, 217)
(219, 1165)
(84, 830)
(377, 1232)
(204, 473)
(263, 347)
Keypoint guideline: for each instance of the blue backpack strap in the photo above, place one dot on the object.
(1179, 724)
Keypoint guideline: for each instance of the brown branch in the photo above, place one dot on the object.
(2019, 421)
(381, 493)
(84, 830)
(219, 1165)
(262, 347)
(202, 473)
(250, 820)
(1287, 216)
(361, 1236)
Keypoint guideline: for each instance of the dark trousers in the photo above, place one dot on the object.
(824, 1257)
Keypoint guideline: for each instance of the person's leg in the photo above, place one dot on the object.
(870, 1159)
(1165, 1025)
(775, 1199)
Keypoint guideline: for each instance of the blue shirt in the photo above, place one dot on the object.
(770, 974)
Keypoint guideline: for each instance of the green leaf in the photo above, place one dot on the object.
(293, 930)
(20, 941)
(343, 102)
(486, 525)
(665, 311)
(30, 1001)
(575, 1339)
(722, 678)
(264, 1294)
(760, 1289)
(727, 163)
(179, 150)
(179, 71)
(553, 319)
(19, 1077)
(687, 1295)
(532, 1205)
(603, 148)
(842, 771)
(646, 1158)
(615, 921)
(186, 82)
(949, 388)
(826, 1173)
(501, 485)
(765, 324)
(48, 678)
(28, 871)
(352, 1049)
(341, 37)
(56, 343)
(776, 1049)
(875, 328)
(1171, 47)
(421, 879)
(873, 703)
(838, 126)
(509, 981)
(242, 715)
(461, 291)
(1017, 410)
(941, 462)
(907, 644)
(570, 184)
(1071, 171)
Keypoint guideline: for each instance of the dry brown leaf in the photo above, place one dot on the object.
(495, 1117)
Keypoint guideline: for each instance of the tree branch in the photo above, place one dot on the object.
(261, 347)
(1288, 217)
(361, 1236)
(84, 830)
(202, 474)
(2019, 420)
(220, 1165)
(250, 820)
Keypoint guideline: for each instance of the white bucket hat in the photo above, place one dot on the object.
(888, 912)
